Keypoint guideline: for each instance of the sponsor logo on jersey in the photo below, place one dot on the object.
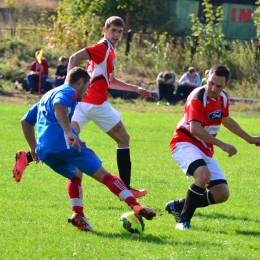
(215, 115)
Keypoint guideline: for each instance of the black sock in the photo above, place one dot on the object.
(29, 157)
(206, 200)
(124, 165)
(179, 204)
(194, 195)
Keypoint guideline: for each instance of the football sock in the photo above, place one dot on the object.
(74, 189)
(124, 165)
(29, 157)
(116, 186)
(194, 195)
(206, 200)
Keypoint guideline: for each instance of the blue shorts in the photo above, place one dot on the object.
(66, 162)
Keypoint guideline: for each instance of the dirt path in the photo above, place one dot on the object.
(17, 97)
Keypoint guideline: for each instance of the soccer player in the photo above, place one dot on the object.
(95, 107)
(59, 146)
(206, 109)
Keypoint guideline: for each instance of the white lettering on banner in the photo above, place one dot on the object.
(213, 129)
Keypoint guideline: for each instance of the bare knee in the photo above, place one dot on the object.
(78, 173)
(220, 193)
(99, 174)
(119, 134)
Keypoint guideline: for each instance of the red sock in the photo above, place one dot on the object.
(75, 194)
(117, 186)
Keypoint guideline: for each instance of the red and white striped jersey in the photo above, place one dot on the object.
(209, 112)
(100, 67)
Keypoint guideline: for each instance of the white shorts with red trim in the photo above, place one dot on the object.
(104, 115)
(186, 153)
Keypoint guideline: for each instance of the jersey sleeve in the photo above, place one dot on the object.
(31, 116)
(195, 111)
(97, 52)
(226, 109)
(65, 98)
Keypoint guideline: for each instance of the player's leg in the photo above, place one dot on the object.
(109, 120)
(90, 164)
(191, 162)
(60, 164)
(117, 187)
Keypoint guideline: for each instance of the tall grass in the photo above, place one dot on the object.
(34, 212)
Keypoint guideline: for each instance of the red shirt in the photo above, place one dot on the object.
(209, 112)
(100, 67)
(35, 66)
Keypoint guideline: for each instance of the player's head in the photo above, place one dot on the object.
(63, 60)
(217, 80)
(78, 79)
(192, 72)
(113, 29)
(167, 75)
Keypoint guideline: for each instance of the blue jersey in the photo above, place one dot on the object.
(50, 136)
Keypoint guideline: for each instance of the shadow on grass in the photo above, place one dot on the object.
(163, 240)
(223, 216)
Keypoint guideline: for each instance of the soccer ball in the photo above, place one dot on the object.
(129, 223)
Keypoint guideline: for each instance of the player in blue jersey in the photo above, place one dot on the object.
(59, 146)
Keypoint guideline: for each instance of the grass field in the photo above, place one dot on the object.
(34, 212)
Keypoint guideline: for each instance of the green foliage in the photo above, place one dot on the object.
(256, 17)
(210, 38)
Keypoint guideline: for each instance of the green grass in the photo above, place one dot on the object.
(34, 212)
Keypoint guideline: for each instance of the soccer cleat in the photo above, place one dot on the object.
(138, 193)
(20, 164)
(183, 226)
(171, 210)
(144, 212)
(80, 223)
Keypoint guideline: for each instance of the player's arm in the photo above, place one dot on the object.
(29, 134)
(61, 114)
(235, 128)
(28, 122)
(118, 84)
(197, 130)
(77, 57)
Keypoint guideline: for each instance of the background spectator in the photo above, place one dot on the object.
(204, 80)
(34, 72)
(165, 81)
(61, 71)
(187, 83)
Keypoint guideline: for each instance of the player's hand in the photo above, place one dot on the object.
(228, 148)
(74, 141)
(144, 92)
(254, 140)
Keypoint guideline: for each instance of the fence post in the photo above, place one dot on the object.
(194, 47)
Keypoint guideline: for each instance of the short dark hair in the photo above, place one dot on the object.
(191, 69)
(75, 74)
(114, 20)
(62, 58)
(221, 71)
(167, 75)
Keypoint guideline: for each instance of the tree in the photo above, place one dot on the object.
(80, 22)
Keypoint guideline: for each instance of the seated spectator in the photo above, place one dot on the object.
(61, 71)
(204, 80)
(34, 72)
(165, 81)
(187, 83)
